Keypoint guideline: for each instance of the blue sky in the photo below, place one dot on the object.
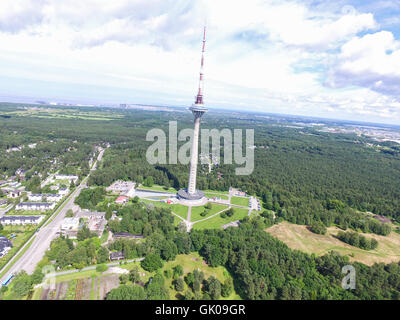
(335, 59)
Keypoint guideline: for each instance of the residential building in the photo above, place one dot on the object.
(53, 197)
(63, 191)
(89, 214)
(117, 256)
(126, 188)
(35, 206)
(126, 235)
(21, 220)
(14, 184)
(14, 194)
(69, 227)
(96, 221)
(54, 187)
(121, 200)
(35, 197)
(67, 177)
(3, 202)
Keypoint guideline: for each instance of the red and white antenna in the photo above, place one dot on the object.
(199, 98)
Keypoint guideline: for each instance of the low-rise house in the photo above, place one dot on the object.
(53, 197)
(35, 206)
(21, 220)
(14, 184)
(3, 182)
(69, 227)
(97, 225)
(237, 192)
(89, 214)
(121, 200)
(127, 235)
(66, 177)
(3, 202)
(117, 256)
(14, 194)
(35, 197)
(96, 221)
(126, 188)
(5, 246)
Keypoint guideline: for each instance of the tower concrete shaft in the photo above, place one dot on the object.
(194, 156)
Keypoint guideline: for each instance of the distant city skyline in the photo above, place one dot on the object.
(336, 60)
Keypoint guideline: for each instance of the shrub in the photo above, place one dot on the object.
(101, 268)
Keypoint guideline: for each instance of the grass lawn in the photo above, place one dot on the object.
(300, 238)
(178, 209)
(158, 188)
(195, 216)
(189, 263)
(216, 192)
(217, 221)
(240, 201)
(218, 195)
(27, 213)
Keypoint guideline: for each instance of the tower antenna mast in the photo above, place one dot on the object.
(199, 98)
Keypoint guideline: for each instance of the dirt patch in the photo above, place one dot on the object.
(61, 290)
(87, 288)
(116, 270)
(79, 289)
(95, 288)
(45, 292)
(107, 284)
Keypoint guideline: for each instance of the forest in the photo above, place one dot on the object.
(303, 175)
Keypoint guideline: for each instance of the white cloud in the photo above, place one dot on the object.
(372, 61)
(270, 54)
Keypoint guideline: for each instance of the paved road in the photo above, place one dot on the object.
(44, 236)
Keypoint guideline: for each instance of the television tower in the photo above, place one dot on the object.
(198, 110)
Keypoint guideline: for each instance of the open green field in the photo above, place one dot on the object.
(178, 209)
(59, 113)
(91, 285)
(240, 201)
(195, 216)
(300, 238)
(217, 222)
(191, 262)
(218, 195)
(216, 192)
